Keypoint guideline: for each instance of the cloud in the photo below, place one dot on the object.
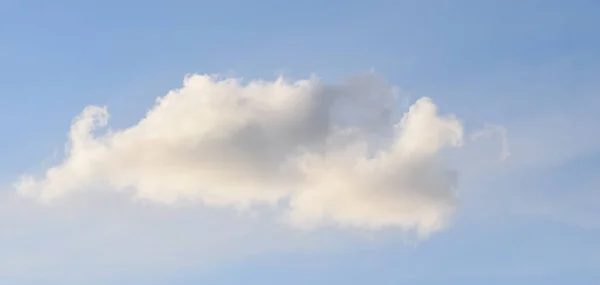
(341, 155)
(488, 132)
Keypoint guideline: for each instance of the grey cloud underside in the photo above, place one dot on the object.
(335, 154)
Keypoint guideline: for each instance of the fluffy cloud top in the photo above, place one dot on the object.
(332, 154)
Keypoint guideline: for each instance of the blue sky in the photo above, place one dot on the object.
(528, 66)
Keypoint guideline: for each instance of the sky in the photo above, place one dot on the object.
(323, 142)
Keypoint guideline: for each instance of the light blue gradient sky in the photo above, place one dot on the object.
(531, 66)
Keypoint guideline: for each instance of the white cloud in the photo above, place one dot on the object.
(333, 154)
